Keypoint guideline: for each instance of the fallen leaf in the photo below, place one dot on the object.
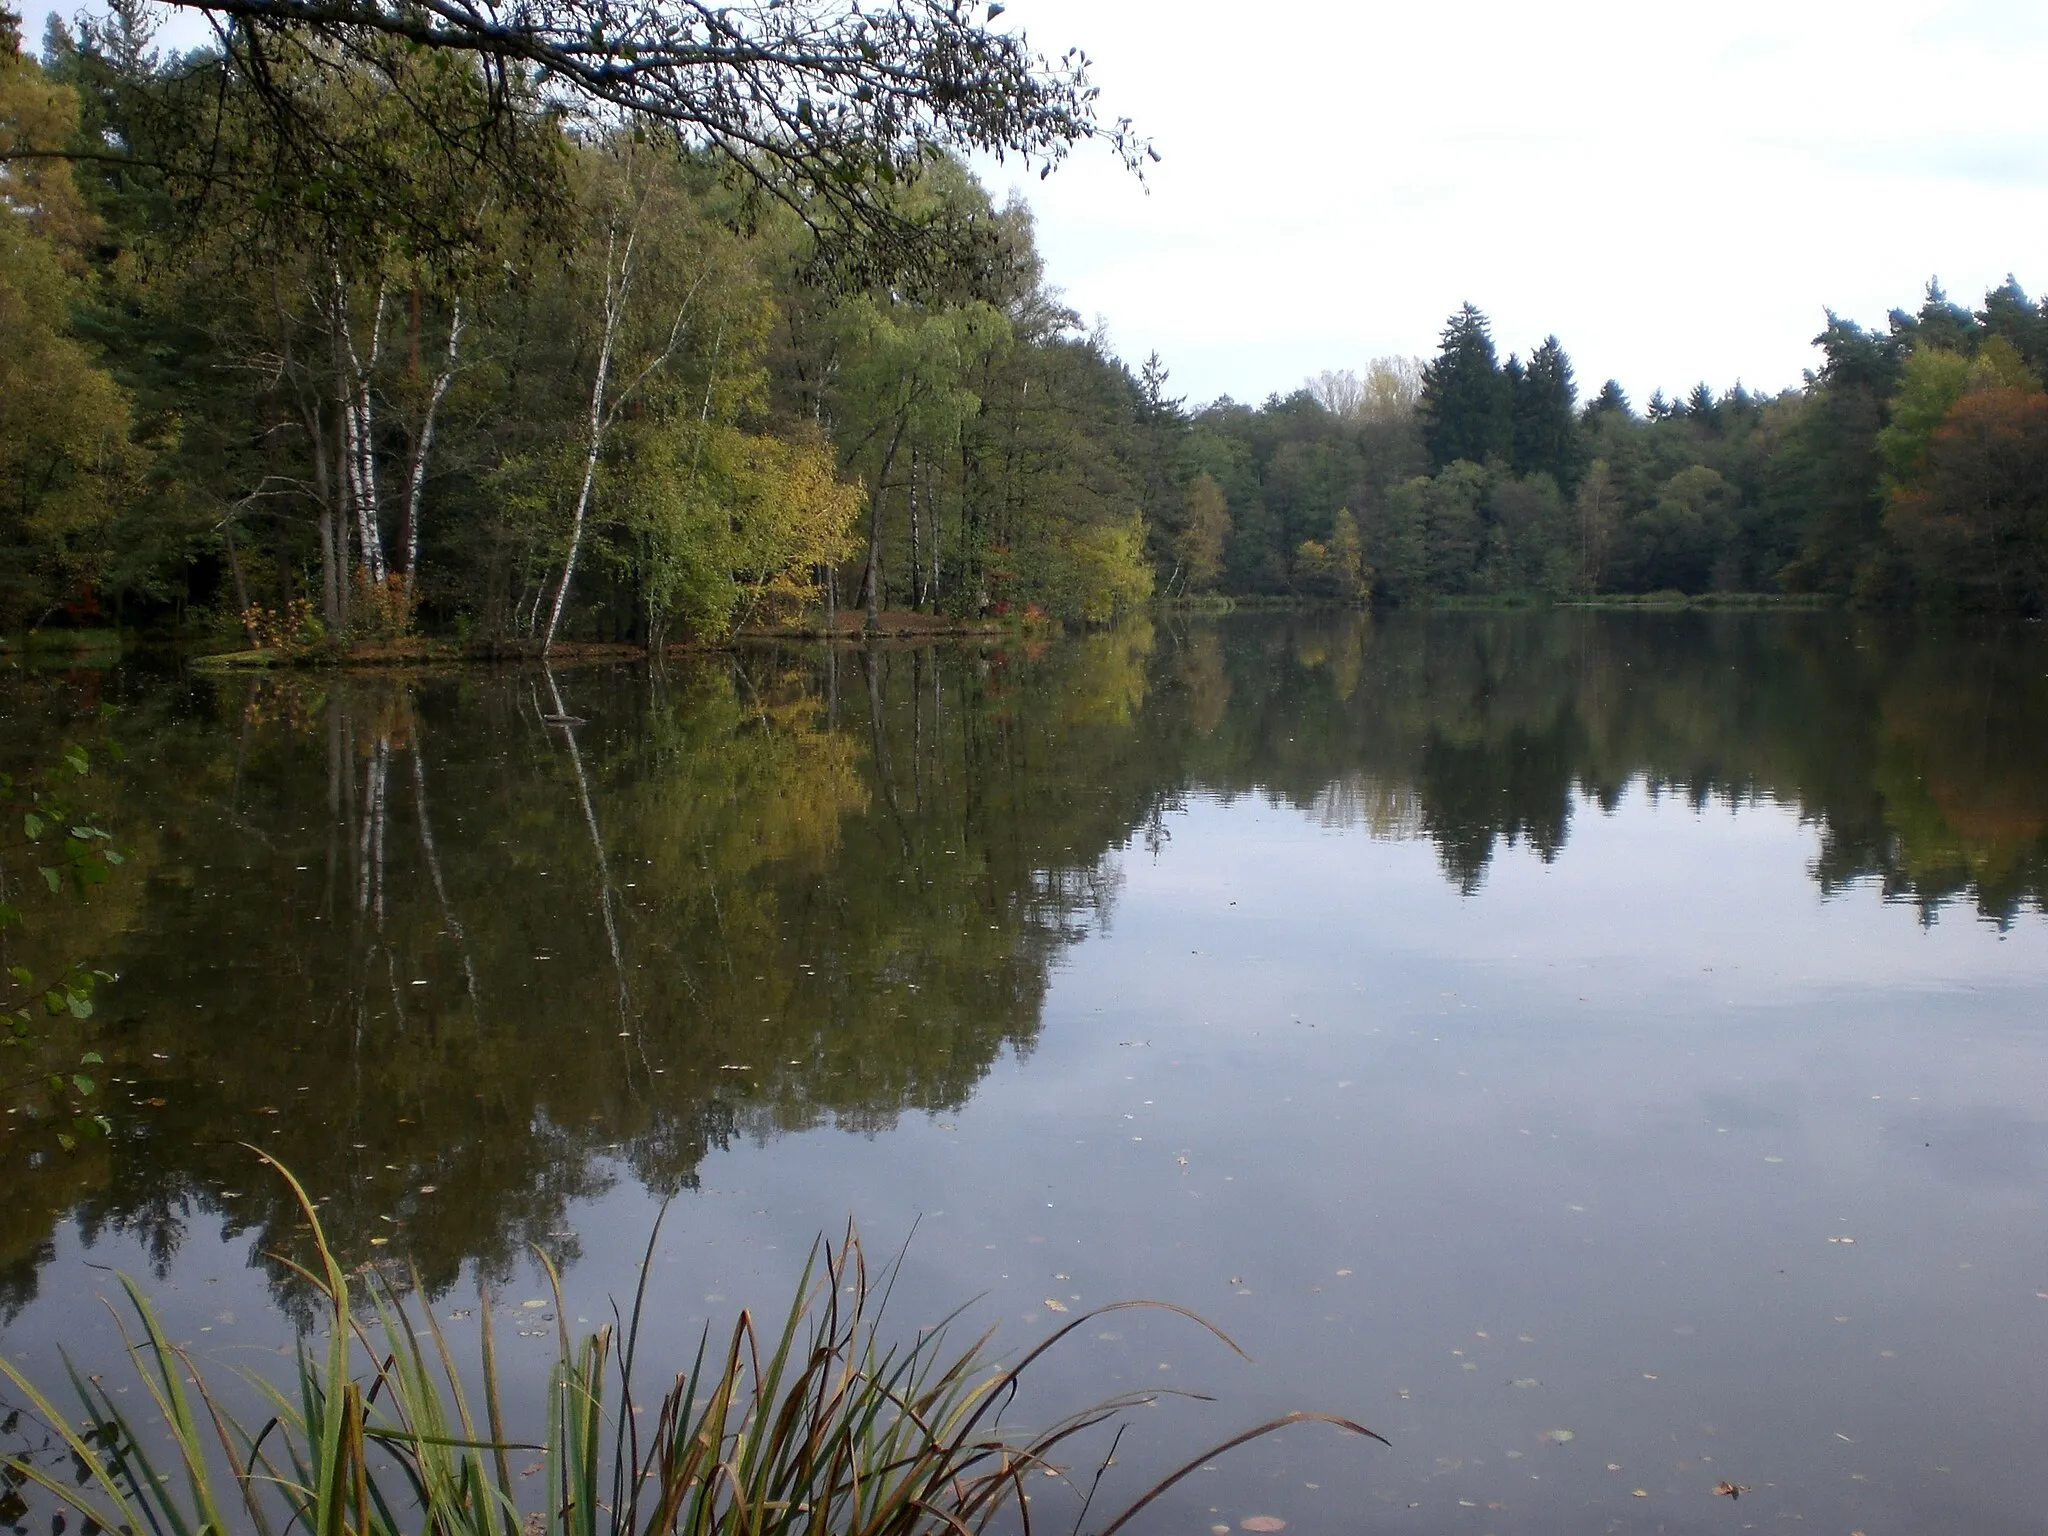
(1639, 1493)
(1053, 1305)
(1731, 1490)
(534, 1306)
(1262, 1523)
(1558, 1436)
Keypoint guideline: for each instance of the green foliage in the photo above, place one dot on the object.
(589, 393)
(1198, 548)
(1931, 382)
(69, 466)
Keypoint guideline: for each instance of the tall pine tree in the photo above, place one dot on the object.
(1467, 403)
(1546, 425)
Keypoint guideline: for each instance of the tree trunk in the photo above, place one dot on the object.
(425, 446)
(359, 455)
(596, 424)
(871, 579)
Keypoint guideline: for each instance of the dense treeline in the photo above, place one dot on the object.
(297, 340)
(1912, 466)
(347, 373)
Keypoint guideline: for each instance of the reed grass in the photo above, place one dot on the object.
(821, 1426)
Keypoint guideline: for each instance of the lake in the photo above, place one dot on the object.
(1605, 1053)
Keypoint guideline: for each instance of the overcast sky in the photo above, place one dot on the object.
(1678, 192)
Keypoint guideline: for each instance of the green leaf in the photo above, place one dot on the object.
(21, 973)
(32, 825)
(54, 879)
(114, 857)
(80, 1006)
(92, 1059)
(56, 1002)
(81, 1082)
(67, 1142)
(80, 763)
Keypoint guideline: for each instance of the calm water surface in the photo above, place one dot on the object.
(1502, 1025)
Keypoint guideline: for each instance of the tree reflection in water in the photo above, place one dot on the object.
(459, 949)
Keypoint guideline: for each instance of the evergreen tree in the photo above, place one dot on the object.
(1467, 404)
(1611, 401)
(1940, 322)
(1546, 426)
(2010, 314)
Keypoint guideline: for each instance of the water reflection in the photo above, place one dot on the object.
(460, 948)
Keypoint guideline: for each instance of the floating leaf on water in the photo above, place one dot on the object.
(533, 1305)
(1731, 1490)
(1614, 1466)
(1639, 1493)
(1262, 1523)
(1342, 1273)
(1525, 1381)
(1558, 1436)
(1054, 1305)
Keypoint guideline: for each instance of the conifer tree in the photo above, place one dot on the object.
(1467, 404)
(1611, 401)
(1545, 407)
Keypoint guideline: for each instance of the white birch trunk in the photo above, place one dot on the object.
(358, 422)
(614, 301)
(416, 490)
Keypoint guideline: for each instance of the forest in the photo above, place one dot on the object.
(325, 331)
